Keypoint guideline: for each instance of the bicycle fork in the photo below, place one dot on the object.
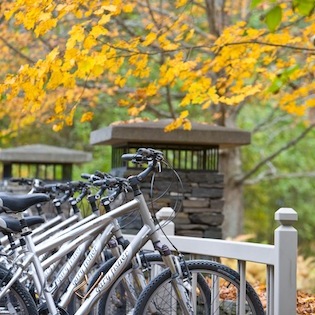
(180, 286)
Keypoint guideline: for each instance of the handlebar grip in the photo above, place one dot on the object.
(85, 176)
(99, 182)
(76, 184)
(63, 187)
(21, 180)
(145, 151)
(143, 155)
(100, 174)
(91, 177)
(128, 157)
(16, 180)
(108, 182)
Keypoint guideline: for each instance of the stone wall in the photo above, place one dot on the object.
(198, 204)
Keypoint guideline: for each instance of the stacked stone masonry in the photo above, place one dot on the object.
(198, 202)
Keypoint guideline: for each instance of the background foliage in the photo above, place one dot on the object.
(73, 68)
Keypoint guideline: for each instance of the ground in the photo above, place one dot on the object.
(305, 301)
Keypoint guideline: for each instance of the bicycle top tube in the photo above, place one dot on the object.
(94, 223)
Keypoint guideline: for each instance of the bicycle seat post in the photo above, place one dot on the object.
(24, 227)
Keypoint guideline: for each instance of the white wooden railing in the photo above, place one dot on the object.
(280, 258)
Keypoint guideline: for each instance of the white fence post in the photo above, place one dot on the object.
(285, 262)
(164, 216)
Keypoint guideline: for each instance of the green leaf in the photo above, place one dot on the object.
(281, 79)
(255, 3)
(304, 7)
(273, 18)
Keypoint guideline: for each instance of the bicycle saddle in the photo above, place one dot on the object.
(8, 224)
(19, 203)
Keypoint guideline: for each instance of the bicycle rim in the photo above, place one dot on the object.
(123, 294)
(218, 294)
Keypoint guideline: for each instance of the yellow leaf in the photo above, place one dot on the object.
(128, 8)
(310, 102)
(184, 114)
(120, 81)
(60, 105)
(10, 79)
(55, 79)
(77, 35)
(89, 42)
(98, 30)
(69, 118)
(104, 19)
(149, 26)
(206, 105)
(151, 89)
(57, 127)
(123, 102)
(45, 26)
(85, 65)
(212, 93)
(190, 34)
(110, 8)
(150, 38)
(135, 111)
(53, 54)
(173, 125)
(68, 80)
(44, 16)
(185, 101)
(187, 125)
(170, 46)
(180, 3)
(88, 116)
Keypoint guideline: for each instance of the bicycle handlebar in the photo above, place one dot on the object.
(22, 181)
(143, 155)
(151, 156)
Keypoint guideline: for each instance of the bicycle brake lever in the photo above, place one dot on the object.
(159, 167)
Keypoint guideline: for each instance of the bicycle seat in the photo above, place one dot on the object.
(8, 224)
(19, 203)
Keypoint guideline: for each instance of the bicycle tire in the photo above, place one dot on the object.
(223, 284)
(117, 302)
(17, 301)
(109, 304)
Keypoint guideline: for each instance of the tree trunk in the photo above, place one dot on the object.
(230, 166)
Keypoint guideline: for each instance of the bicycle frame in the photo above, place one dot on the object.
(148, 232)
(81, 234)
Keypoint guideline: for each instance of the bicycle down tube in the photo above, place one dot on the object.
(148, 232)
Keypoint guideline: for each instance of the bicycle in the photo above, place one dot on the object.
(66, 237)
(148, 232)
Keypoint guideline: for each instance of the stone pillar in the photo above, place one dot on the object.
(199, 208)
(194, 154)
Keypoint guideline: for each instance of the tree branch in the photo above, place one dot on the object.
(159, 113)
(269, 120)
(265, 177)
(275, 154)
(210, 9)
(18, 52)
(257, 42)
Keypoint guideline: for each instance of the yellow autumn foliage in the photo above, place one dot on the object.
(163, 53)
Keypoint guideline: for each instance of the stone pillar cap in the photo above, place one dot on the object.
(152, 132)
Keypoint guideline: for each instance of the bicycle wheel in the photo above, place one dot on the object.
(223, 284)
(121, 298)
(17, 299)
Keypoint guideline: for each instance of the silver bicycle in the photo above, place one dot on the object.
(191, 292)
